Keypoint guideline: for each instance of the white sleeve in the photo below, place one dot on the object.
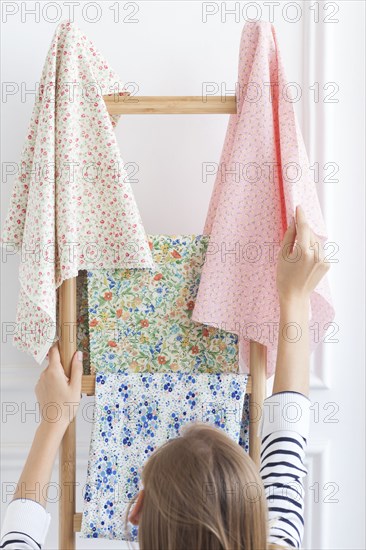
(25, 525)
(284, 433)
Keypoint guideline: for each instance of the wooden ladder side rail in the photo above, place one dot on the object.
(258, 373)
(67, 453)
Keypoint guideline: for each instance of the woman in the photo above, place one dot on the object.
(201, 490)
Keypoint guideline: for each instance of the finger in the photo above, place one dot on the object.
(54, 355)
(303, 229)
(312, 236)
(76, 371)
(290, 235)
(315, 243)
(317, 246)
(55, 367)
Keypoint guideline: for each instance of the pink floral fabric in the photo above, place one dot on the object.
(72, 206)
(263, 174)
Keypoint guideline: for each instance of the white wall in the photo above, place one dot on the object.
(169, 50)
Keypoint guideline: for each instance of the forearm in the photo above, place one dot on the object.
(36, 474)
(293, 353)
(283, 466)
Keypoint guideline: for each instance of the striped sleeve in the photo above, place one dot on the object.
(284, 432)
(25, 525)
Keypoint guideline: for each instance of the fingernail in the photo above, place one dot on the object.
(80, 355)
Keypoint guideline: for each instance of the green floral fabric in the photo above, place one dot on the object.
(83, 319)
(140, 319)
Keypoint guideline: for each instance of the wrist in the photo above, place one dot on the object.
(294, 300)
(53, 429)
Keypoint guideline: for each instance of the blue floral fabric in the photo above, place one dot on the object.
(134, 414)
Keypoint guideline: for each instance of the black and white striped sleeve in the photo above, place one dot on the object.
(25, 525)
(284, 432)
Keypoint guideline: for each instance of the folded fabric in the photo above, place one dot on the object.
(72, 206)
(83, 319)
(134, 414)
(140, 319)
(263, 175)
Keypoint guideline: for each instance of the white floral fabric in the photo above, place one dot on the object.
(134, 414)
(72, 206)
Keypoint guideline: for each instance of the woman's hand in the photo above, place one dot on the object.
(300, 265)
(59, 398)
(300, 268)
(57, 395)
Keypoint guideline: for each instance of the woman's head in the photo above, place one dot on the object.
(202, 491)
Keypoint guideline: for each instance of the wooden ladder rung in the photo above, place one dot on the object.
(88, 384)
(180, 105)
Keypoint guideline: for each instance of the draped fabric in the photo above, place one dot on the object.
(262, 176)
(72, 206)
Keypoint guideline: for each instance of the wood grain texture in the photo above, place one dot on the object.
(258, 372)
(88, 384)
(67, 467)
(188, 105)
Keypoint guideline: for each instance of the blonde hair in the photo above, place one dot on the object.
(202, 492)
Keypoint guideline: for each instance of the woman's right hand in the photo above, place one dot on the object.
(301, 265)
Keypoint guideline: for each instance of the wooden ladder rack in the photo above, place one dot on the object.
(70, 521)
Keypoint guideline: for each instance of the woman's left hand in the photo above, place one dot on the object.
(57, 395)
